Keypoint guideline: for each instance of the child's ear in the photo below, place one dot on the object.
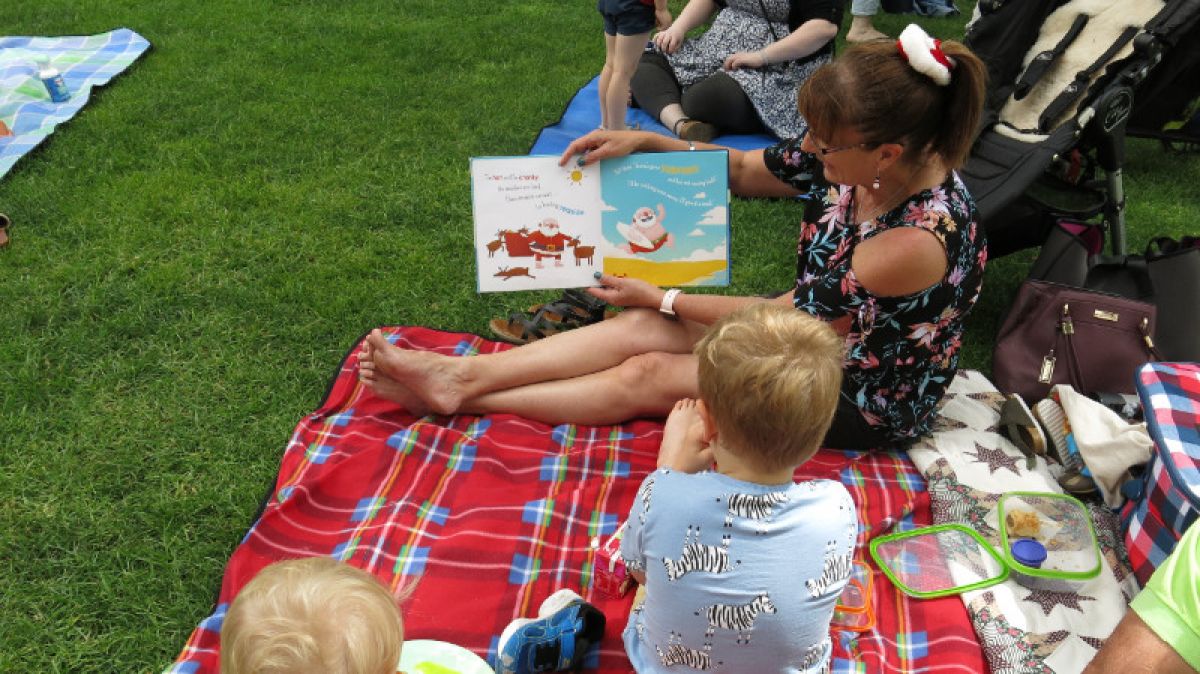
(710, 426)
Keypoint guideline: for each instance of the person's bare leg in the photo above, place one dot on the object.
(628, 50)
(444, 383)
(645, 385)
(606, 79)
(683, 446)
(862, 29)
(670, 116)
(385, 387)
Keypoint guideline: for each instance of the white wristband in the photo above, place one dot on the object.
(668, 301)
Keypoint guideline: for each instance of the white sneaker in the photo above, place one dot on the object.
(558, 601)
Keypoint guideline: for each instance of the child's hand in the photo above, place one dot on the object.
(663, 19)
(668, 41)
(745, 59)
(683, 446)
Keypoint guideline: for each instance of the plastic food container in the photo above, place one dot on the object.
(1061, 526)
(1047, 542)
(938, 561)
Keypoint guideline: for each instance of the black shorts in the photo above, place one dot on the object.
(626, 17)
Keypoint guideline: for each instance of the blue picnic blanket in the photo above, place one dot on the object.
(85, 61)
(583, 115)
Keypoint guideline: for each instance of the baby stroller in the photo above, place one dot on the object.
(1068, 80)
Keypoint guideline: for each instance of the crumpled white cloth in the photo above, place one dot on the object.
(1108, 444)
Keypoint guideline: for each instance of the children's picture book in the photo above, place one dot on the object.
(660, 217)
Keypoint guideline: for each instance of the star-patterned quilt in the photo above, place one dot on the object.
(968, 464)
(487, 516)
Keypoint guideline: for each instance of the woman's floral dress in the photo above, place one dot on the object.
(901, 352)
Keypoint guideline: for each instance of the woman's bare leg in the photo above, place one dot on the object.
(445, 383)
(645, 385)
(671, 115)
(384, 386)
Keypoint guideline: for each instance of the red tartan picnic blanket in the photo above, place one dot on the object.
(489, 515)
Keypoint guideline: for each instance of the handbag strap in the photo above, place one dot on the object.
(1116, 273)
(1066, 328)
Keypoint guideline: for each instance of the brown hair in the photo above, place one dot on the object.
(872, 88)
(770, 376)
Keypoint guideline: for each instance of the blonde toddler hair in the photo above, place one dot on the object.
(309, 616)
(770, 377)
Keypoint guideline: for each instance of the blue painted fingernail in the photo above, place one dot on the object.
(596, 276)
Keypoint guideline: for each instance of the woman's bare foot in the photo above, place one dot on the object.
(683, 446)
(434, 379)
(385, 387)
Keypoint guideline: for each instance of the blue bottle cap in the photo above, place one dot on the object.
(1028, 552)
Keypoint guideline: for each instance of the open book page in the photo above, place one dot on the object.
(660, 217)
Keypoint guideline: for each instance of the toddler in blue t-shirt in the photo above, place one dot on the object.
(742, 566)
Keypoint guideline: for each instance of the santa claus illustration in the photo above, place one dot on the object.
(549, 242)
(646, 233)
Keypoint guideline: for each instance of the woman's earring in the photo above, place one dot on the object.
(875, 183)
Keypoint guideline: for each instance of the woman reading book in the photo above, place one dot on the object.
(891, 254)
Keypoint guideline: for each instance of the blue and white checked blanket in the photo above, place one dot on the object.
(85, 61)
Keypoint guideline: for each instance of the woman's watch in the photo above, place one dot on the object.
(668, 301)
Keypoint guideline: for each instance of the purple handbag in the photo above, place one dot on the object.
(1060, 334)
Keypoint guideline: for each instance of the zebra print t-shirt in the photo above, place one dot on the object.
(740, 577)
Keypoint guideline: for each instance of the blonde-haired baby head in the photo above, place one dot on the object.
(310, 616)
(770, 377)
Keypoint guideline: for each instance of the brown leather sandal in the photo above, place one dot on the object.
(521, 328)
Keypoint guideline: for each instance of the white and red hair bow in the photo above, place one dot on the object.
(924, 54)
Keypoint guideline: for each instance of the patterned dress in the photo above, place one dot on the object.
(901, 352)
(741, 27)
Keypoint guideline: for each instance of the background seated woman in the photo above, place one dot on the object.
(742, 74)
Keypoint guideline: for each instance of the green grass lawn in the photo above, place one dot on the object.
(194, 253)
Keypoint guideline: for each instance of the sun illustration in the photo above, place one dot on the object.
(576, 177)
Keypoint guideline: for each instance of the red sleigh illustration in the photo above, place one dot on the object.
(544, 242)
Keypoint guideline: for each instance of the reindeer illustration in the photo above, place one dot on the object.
(583, 253)
(507, 273)
(498, 244)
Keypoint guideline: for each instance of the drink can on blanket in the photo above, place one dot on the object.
(1169, 500)
(612, 578)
